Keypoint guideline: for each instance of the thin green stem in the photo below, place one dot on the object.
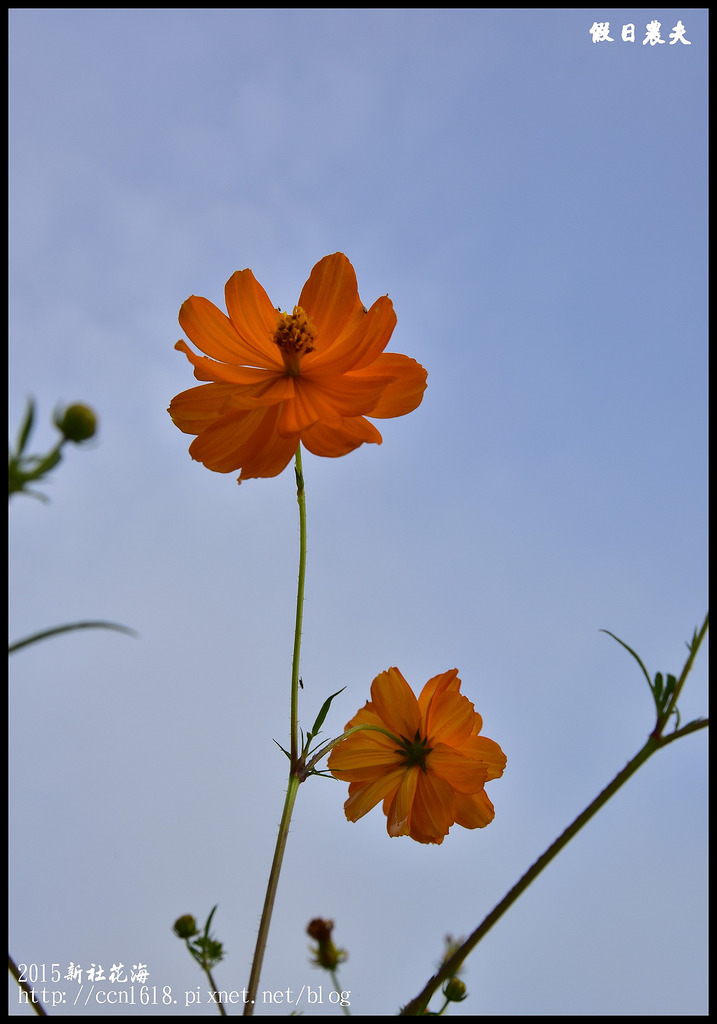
(295, 777)
(291, 791)
(215, 990)
(337, 989)
(301, 499)
(694, 648)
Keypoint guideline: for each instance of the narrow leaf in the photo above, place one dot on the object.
(658, 687)
(209, 921)
(320, 718)
(26, 427)
(635, 656)
(26, 641)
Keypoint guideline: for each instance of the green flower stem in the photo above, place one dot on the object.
(295, 775)
(672, 704)
(214, 989)
(337, 989)
(417, 1006)
(292, 790)
(301, 499)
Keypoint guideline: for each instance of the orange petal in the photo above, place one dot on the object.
(230, 373)
(307, 407)
(220, 445)
(433, 809)
(244, 439)
(253, 317)
(326, 402)
(347, 395)
(332, 442)
(395, 703)
(331, 300)
(364, 750)
(363, 798)
(404, 387)
(398, 811)
(474, 811)
(271, 390)
(210, 329)
(251, 387)
(462, 773)
(364, 716)
(438, 684)
(449, 718)
(213, 332)
(364, 756)
(196, 409)
(356, 348)
(488, 753)
(267, 453)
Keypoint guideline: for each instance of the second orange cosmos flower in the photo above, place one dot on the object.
(423, 757)
(279, 379)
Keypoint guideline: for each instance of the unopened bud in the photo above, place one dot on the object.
(78, 423)
(455, 990)
(185, 927)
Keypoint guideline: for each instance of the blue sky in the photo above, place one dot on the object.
(535, 205)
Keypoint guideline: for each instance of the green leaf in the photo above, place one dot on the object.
(669, 690)
(209, 921)
(26, 427)
(26, 641)
(44, 465)
(657, 689)
(282, 749)
(635, 656)
(320, 718)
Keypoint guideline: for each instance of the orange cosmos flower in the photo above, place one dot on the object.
(429, 764)
(278, 379)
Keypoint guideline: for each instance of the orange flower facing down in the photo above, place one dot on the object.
(431, 770)
(280, 379)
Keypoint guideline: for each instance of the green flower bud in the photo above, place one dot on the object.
(185, 927)
(77, 423)
(455, 990)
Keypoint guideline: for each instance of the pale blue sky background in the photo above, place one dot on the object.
(535, 206)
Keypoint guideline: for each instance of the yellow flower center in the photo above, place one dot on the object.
(295, 335)
(415, 751)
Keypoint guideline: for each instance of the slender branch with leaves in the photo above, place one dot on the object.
(665, 699)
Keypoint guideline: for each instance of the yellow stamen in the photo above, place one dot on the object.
(294, 335)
